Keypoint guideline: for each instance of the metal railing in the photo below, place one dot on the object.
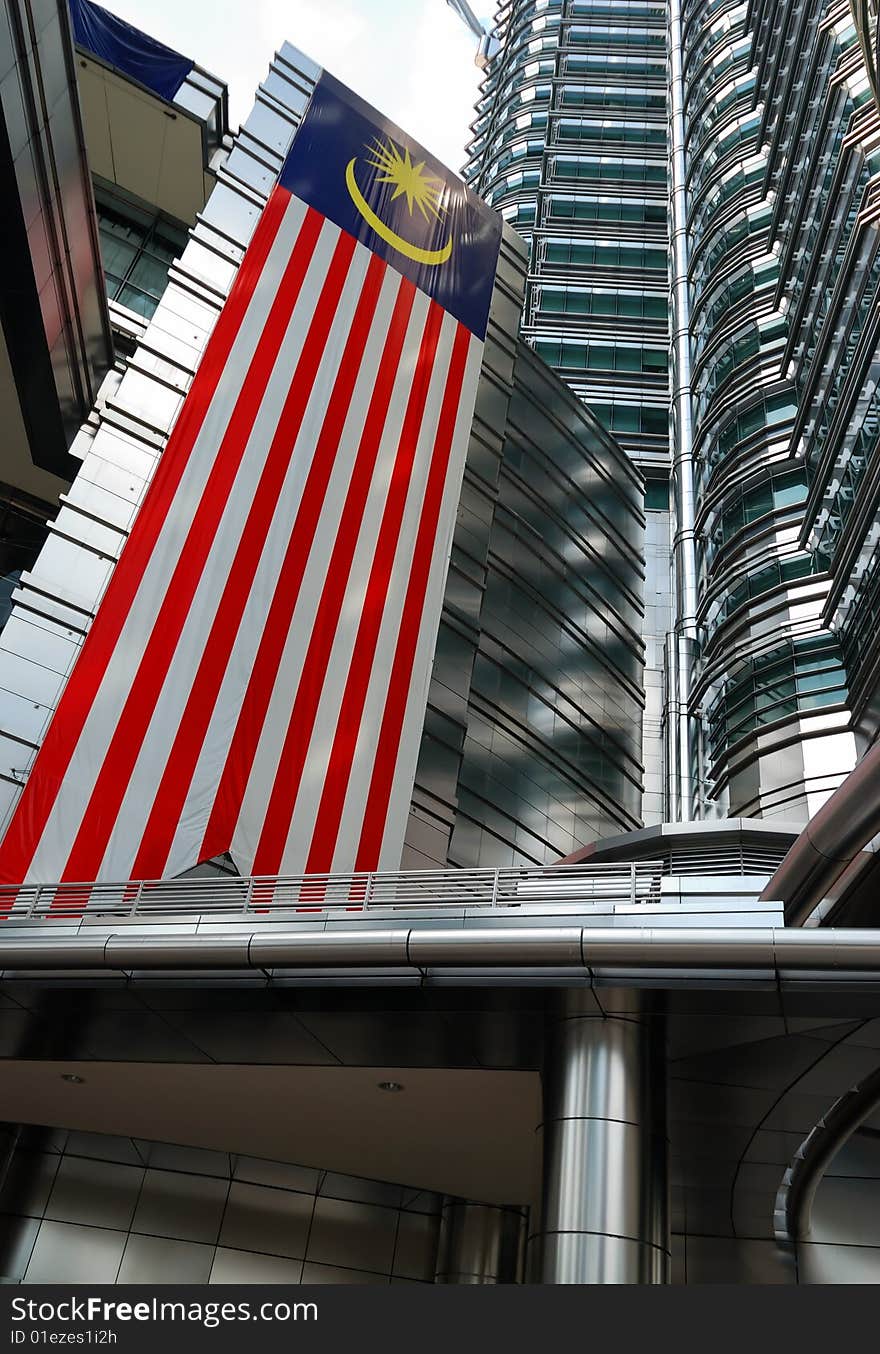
(305, 895)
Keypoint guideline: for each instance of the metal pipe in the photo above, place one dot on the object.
(561, 948)
(843, 827)
(681, 644)
(605, 1215)
(794, 1200)
(480, 1243)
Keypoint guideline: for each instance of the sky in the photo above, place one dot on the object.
(412, 59)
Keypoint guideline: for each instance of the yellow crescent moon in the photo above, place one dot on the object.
(412, 251)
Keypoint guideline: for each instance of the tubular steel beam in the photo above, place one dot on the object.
(552, 950)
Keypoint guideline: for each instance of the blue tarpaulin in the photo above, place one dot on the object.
(128, 50)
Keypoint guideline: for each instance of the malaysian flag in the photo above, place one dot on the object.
(256, 676)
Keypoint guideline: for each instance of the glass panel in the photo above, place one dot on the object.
(656, 495)
(117, 254)
(150, 273)
(138, 301)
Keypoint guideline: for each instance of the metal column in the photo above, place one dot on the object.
(681, 646)
(480, 1243)
(605, 1210)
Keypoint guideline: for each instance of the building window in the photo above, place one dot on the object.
(604, 254)
(638, 171)
(606, 209)
(797, 678)
(581, 301)
(632, 418)
(602, 357)
(756, 584)
(656, 495)
(137, 247)
(778, 491)
(23, 531)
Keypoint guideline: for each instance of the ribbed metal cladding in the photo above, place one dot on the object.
(480, 1243)
(605, 1215)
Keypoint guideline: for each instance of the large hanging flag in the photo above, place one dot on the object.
(256, 676)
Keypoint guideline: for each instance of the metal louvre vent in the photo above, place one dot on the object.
(728, 859)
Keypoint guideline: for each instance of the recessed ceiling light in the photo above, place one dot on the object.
(72, 1078)
(389, 1085)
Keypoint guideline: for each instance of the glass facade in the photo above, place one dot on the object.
(780, 285)
(570, 144)
(532, 742)
(755, 129)
(589, 196)
(138, 247)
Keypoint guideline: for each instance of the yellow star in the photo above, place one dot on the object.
(410, 180)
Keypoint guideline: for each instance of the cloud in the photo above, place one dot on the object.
(412, 59)
(437, 98)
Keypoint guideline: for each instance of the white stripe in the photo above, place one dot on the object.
(194, 819)
(377, 692)
(262, 779)
(134, 811)
(67, 812)
(410, 742)
(299, 838)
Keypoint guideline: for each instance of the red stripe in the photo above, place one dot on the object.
(341, 757)
(299, 731)
(39, 795)
(243, 747)
(384, 763)
(176, 780)
(99, 818)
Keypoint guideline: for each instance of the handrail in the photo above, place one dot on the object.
(633, 882)
(794, 1198)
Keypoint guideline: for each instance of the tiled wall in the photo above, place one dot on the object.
(84, 1208)
(739, 1114)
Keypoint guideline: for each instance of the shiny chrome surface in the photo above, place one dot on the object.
(87, 1207)
(845, 824)
(536, 953)
(531, 742)
(754, 1062)
(605, 1207)
(866, 14)
(792, 1214)
(480, 1243)
(679, 675)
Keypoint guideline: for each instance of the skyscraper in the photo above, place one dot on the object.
(756, 128)
(570, 146)
(212, 1078)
